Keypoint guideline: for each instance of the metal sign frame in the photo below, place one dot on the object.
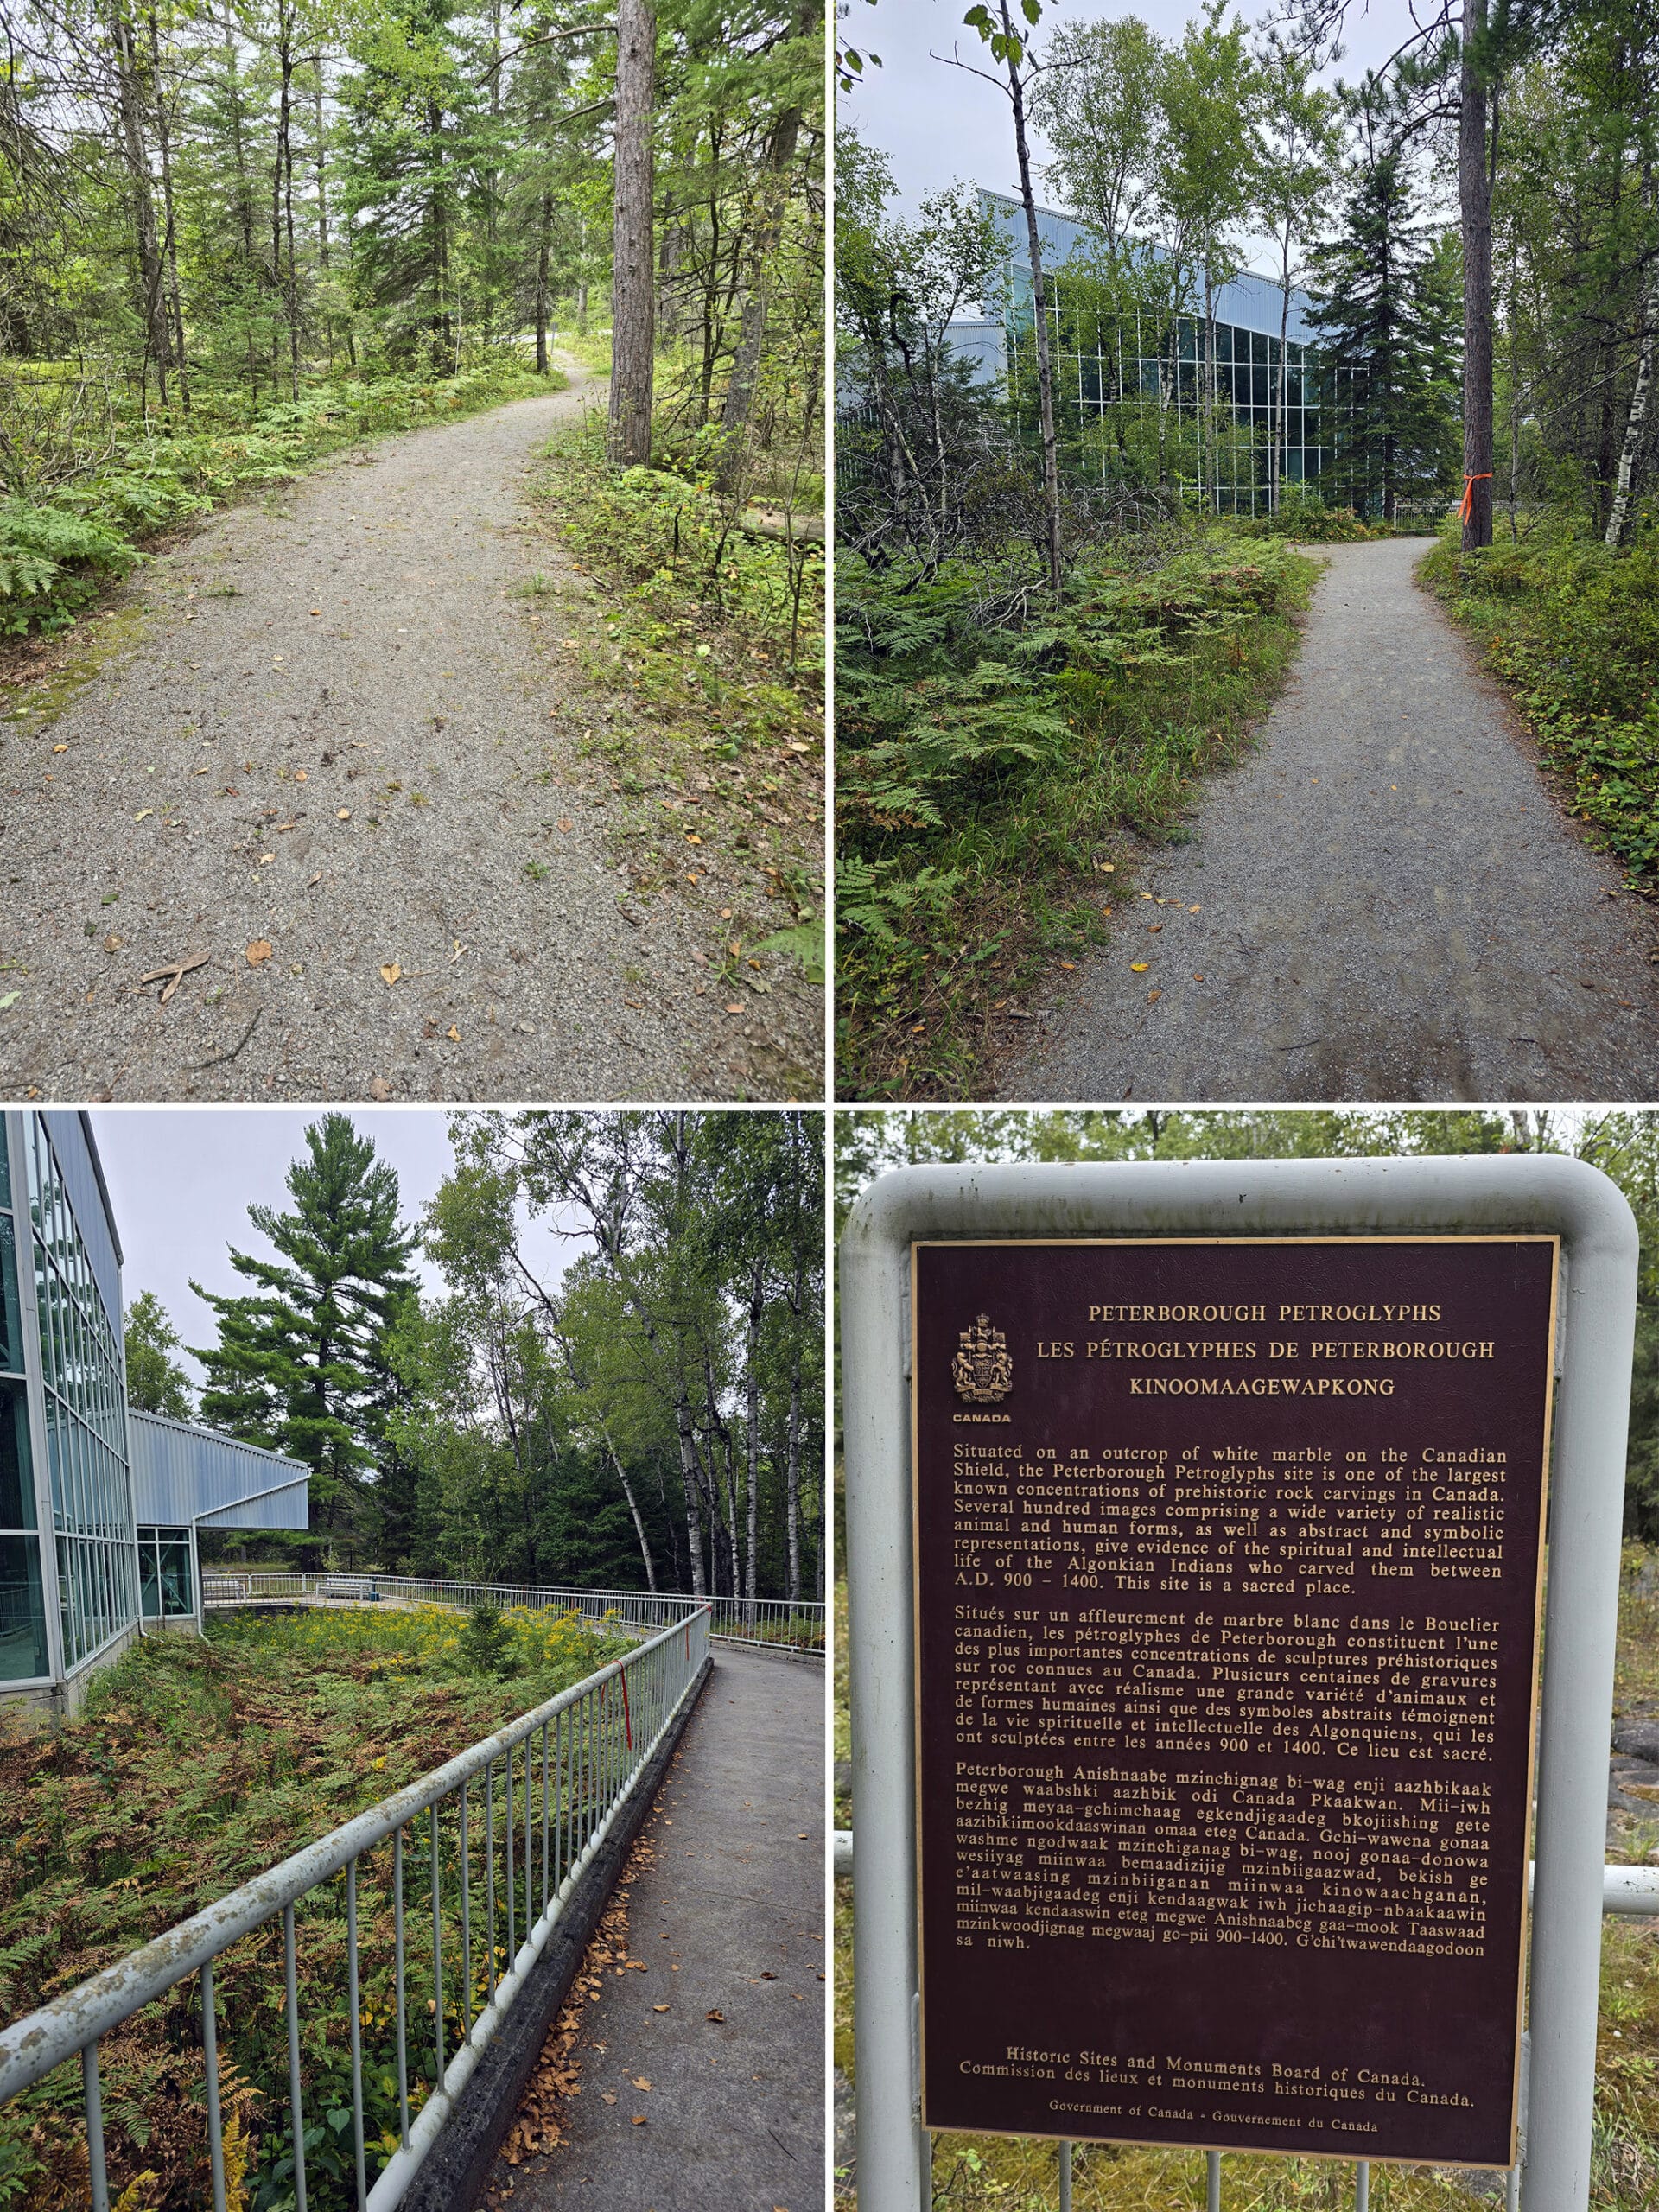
(1492, 1195)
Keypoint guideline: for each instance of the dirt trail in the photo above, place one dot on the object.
(1384, 902)
(343, 737)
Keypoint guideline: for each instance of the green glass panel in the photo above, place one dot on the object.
(16, 1477)
(23, 1617)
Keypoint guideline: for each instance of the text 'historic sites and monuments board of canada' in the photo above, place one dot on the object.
(1228, 1582)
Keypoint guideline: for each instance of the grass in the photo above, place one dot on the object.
(1016, 2174)
(1001, 766)
(1573, 631)
(194, 1767)
(712, 645)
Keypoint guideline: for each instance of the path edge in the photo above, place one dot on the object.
(455, 2175)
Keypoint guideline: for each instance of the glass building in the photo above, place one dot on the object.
(1137, 389)
(99, 1505)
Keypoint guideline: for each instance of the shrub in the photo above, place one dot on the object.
(53, 561)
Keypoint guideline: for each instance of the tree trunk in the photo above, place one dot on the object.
(158, 337)
(751, 1424)
(634, 290)
(763, 253)
(285, 168)
(170, 225)
(688, 1485)
(544, 252)
(1475, 200)
(1045, 371)
(792, 1484)
(1636, 421)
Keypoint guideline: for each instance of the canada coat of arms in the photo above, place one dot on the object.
(984, 1368)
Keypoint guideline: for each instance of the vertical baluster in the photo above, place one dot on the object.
(546, 1725)
(93, 2104)
(1512, 2190)
(489, 1864)
(1212, 2181)
(465, 1916)
(1362, 2185)
(529, 1875)
(1065, 2176)
(512, 1930)
(437, 1949)
(210, 2069)
(562, 1799)
(296, 2109)
(398, 1974)
(357, 2034)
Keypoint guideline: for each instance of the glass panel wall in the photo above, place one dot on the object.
(24, 1653)
(86, 1447)
(1137, 395)
(165, 1579)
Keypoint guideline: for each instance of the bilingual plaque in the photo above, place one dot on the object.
(1228, 1583)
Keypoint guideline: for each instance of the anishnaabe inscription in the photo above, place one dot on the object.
(1227, 1602)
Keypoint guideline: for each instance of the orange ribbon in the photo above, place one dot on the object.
(1466, 512)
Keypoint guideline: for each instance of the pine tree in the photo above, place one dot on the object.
(302, 1364)
(1385, 292)
(156, 1382)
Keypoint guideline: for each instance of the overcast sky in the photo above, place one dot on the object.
(940, 126)
(181, 1181)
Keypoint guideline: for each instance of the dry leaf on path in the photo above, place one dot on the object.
(714, 2016)
(142, 812)
(660, 2008)
(453, 1034)
(1140, 967)
(639, 2082)
(389, 973)
(258, 951)
(379, 1088)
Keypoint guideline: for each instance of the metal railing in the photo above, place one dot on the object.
(489, 1847)
(768, 1623)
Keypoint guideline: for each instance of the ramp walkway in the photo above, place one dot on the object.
(728, 1918)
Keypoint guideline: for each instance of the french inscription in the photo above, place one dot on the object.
(1227, 1617)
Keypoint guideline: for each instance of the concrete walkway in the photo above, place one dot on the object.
(728, 1919)
(1384, 902)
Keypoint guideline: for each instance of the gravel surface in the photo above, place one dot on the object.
(341, 762)
(1384, 902)
(729, 1920)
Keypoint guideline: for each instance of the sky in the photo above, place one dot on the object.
(938, 126)
(181, 1180)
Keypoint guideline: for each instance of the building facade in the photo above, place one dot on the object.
(1133, 368)
(99, 1505)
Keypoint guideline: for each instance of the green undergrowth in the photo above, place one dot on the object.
(715, 637)
(59, 548)
(1573, 631)
(196, 1766)
(1021, 2174)
(996, 762)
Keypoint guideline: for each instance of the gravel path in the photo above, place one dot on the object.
(344, 751)
(729, 1920)
(1384, 902)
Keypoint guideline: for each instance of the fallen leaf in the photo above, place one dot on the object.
(1194, 910)
(1151, 995)
(453, 1034)
(1198, 979)
(609, 2095)
(258, 951)
(1109, 867)
(639, 2120)
(566, 822)
(733, 1009)
(59, 748)
(379, 1088)
(266, 858)
(389, 972)
(11, 999)
(342, 814)
(655, 2008)
(302, 775)
(692, 838)
(714, 2016)
(142, 812)
(315, 880)
(640, 2082)
(1139, 966)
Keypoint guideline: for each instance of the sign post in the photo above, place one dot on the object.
(1196, 1524)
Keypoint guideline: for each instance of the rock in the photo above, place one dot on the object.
(1638, 1739)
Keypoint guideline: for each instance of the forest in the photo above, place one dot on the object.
(648, 1416)
(1063, 589)
(1623, 1146)
(237, 234)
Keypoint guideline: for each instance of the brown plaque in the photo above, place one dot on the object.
(1228, 1572)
